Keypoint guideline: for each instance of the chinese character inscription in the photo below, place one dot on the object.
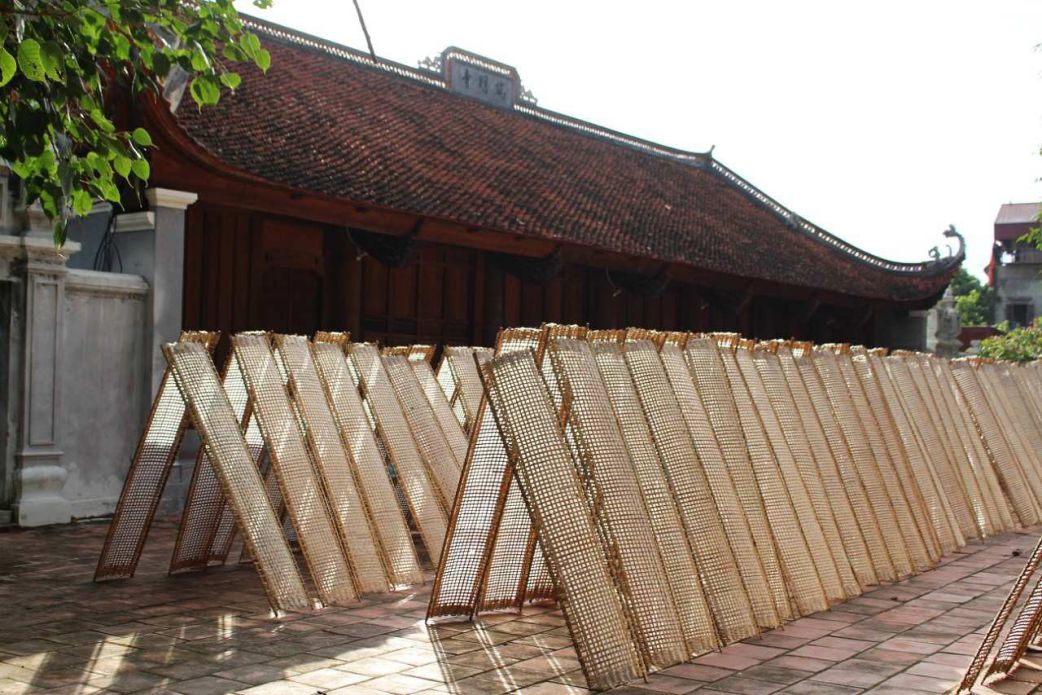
(484, 85)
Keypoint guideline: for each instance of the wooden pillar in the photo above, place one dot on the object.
(492, 316)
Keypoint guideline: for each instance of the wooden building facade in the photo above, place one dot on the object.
(409, 205)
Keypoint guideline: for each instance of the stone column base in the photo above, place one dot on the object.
(40, 480)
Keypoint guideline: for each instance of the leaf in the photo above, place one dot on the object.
(109, 191)
(53, 59)
(205, 91)
(233, 52)
(141, 169)
(47, 163)
(8, 66)
(50, 205)
(59, 134)
(30, 61)
(161, 65)
(200, 62)
(61, 231)
(122, 165)
(99, 118)
(263, 59)
(81, 202)
(92, 24)
(121, 46)
(141, 137)
(230, 80)
(250, 43)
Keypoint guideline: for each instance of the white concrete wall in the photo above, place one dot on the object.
(106, 391)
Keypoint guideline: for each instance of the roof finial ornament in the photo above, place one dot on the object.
(935, 252)
(432, 63)
(953, 232)
(710, 152)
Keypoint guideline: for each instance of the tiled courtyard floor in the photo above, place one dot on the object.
(210, 633)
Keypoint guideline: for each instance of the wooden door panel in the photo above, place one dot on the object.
(430, 301)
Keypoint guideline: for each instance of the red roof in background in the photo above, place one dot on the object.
(325, 120)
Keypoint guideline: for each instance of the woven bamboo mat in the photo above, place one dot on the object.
(616, 502)
(975, 503)
(861, 455)
(458, 376)
(1026, 379)
(760, 556)
(204, 504)
(933, 513)
(811, 447)
(800, 474)
(138, 500)
(438, 457)
(997, 515)
(713, 486)
(215, 420)
(333, 465)
(984, 502)
(771, 462)
(886, 464)
(451, 389)
(302, 490)
(980, 659)
(465, 374)
(925, 550)
(367, 463)
(945, 462)
(1022, 380)
(696, 620)
(982, 458)
(556, 500)
(413, 353)
(411, 474)
(271, 488)
(702, 513)
(1022, 634)
(439, 404)
(1008, 469)
(933, 453)
(516, 570)
(1017, 422)
(225, 533)
(878, 552)
(469, 580)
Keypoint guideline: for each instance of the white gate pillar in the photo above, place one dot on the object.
(152, 245)
(36, 271)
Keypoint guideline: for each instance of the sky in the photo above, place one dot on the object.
(882, 122)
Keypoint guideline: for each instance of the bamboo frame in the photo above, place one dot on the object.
(213, 417)
(146, 478)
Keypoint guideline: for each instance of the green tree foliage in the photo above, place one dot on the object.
(1018, 345)
(61, 59)
(1033, 237)
(974, 301)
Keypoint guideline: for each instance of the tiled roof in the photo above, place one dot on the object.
(325, 120)
(1019, 213)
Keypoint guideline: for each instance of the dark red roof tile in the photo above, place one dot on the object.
(322, 120)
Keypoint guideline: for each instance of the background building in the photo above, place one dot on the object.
(1016, 268)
